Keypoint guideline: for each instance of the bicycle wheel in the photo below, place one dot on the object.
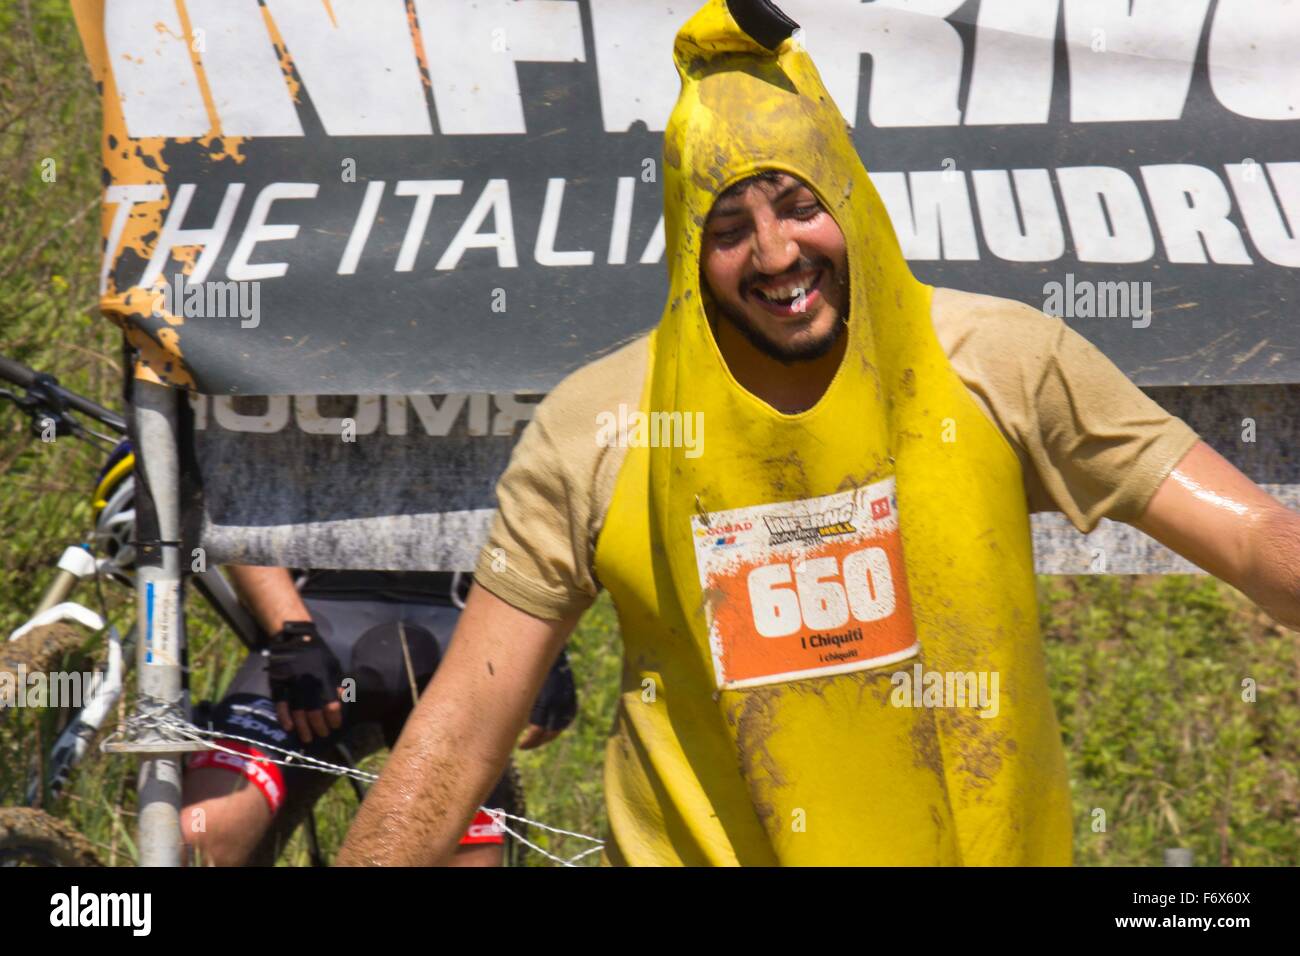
(31, 837)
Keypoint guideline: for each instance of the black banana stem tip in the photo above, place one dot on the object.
(762, 20)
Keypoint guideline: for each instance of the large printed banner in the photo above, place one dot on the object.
(444, 196)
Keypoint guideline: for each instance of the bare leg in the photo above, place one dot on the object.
(224, 816)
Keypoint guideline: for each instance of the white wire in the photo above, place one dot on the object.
(160, 716)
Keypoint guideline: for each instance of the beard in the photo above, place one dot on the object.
(804, 350)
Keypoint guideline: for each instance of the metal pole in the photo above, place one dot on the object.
(160, 621)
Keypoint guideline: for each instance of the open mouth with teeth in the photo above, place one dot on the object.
(795, 297)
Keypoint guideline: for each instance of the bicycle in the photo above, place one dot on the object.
(56, 633)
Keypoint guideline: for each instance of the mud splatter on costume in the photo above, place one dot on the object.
(741, 756)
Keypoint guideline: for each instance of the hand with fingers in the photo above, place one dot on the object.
(306, 681)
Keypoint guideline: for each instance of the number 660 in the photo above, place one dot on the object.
(812, 595)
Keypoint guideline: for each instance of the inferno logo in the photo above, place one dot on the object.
(810, 527)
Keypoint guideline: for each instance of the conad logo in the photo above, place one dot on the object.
(724, 529)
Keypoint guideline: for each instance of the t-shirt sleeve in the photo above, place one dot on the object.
(555, 492)
(536, 557)
(1097, 446)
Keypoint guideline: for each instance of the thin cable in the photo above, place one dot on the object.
(160, 716)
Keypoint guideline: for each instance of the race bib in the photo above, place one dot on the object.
(805, 588)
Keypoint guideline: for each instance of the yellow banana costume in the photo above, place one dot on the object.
(733, 744)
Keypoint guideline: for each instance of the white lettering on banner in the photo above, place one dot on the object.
(424, 191)
(475, 87)
(635, 75)
(152, 70)
(1254, 68)
(932, 214)
(621, 226)
(510, 413)
(1191, 205)
(435, 418)
(345, 47)
(495, 199)
(1266, 220)
(485, 413)
(544, 252)
(1142, 72)
(272, 420)
(1105, 210)
(310, 420)
(174, 234)
(243, 72)
(1041, 239)
(257, 230)
(916, 57)
(1145, 68)
(1011, 81)
(1107, 219)
(478, 413)
(654, 249)
(936, 213)
(361, 228)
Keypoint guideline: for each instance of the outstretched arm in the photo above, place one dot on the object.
(457, 741)
(1220, 520)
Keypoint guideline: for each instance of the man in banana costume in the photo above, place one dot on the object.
(808, 493)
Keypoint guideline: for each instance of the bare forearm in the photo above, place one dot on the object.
(1274, 579)
(1217, 518)
(269, 594)
(432, 783)
(456, 743)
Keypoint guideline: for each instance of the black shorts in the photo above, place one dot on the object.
(366, 637)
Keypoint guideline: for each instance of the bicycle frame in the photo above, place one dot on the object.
(158, 601)
(158, 632)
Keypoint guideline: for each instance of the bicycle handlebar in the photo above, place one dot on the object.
(26, 378)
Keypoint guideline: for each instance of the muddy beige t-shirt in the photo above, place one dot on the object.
(1090, 443)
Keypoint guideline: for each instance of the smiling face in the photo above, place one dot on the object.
(776, 263)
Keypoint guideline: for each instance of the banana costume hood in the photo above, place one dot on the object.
(829, 618)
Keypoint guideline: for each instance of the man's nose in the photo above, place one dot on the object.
(773, 250)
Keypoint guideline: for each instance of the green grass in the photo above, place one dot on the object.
(1148, 683)
(1146, 673)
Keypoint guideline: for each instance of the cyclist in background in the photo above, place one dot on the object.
(386, 632)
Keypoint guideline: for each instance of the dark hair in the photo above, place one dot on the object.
(767, 175)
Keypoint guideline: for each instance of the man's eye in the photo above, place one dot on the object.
(808, 210)
(727, 235)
